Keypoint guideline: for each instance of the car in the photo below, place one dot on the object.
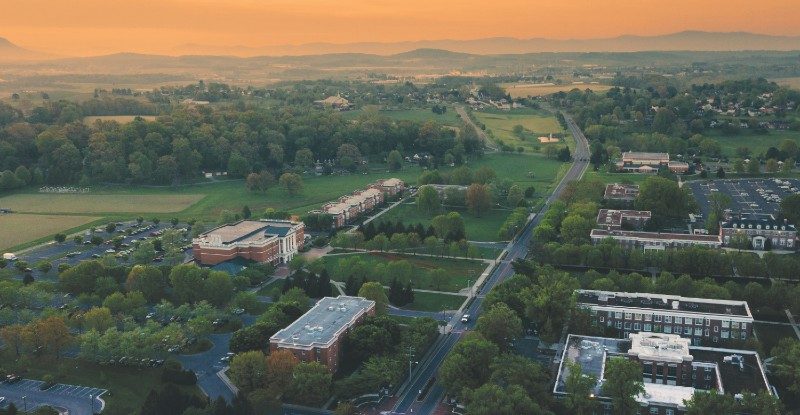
(73, 254)
(95, 256)
(12, 378)
(110, 251)
(238, 311)
(465, 318)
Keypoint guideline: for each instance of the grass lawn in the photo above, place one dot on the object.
(524, 170)
(128, 387)
(424, 301)
(449, 118)
(269, 289)
(482, 228)
(20, 228)
(524, 89)
(536, 123)
(770, 334)
(757, 143)
(458, 272)
(91, 203)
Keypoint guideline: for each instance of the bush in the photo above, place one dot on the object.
(49, 382)
(173, 373)
(320, 241)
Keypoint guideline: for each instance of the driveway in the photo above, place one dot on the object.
(206, 365)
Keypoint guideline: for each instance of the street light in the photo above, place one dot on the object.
(25, 403)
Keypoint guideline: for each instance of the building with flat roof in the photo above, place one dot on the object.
(642, 162)
(654, 240)
(350, 207)
(672, 369)
(273, 241)
(761, 230)
(704, 321)
(613, 219)
(317, 335)
(621, 192)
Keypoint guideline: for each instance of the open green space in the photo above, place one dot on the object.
(127, 387)
(93, 203)
(770, 334)
(458, 272)
(535, 123)
(20, 228)
(607, 177)
(425, 301)
(483, 228)
(757, 143)
(449, 118)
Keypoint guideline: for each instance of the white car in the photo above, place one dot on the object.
(465, 318)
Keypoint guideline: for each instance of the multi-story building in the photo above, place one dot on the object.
(612, 219)
(703, 321)
(350, 207)
(620, 192)
(317, 335)
(655, 240)
(759, 229)
(273, 241)
(639, 162)
(672, 369)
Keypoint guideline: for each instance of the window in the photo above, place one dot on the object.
(618, 324)
(637, 316)
(744, 326)
(744, 335)
(668, 319)
(627, 325)
(726, 324)
(648, 317)
(653, 410)
(716, 329)
(708, 322)
(657, 318)
(648, 327)
(687, 330)
(668, 329)
(636, 326)
(678, 320)
(734, 324)
(618, 314)
(628, 316)
(725, 334)
(602, 319)
(698, 321)
(705, 332)
(670, 412)
(698, 332)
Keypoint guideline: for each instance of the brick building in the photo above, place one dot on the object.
(672, 369)
(758, 229)
(273, 241)
(317, 335)
(350, 207)
(612, 219)
(703, 321)
(654, 240)
(621, 192)
(640, 162)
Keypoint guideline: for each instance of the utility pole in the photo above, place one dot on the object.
(410, 361)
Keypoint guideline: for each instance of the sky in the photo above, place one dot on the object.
(93, 27)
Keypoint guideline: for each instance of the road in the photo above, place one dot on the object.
(465, 117)
(408, 399)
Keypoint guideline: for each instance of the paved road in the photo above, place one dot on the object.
(27, 393)
(206, 365)
(518, 248)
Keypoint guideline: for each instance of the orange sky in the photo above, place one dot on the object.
(90, 27)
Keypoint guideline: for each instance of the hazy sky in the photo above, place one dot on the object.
(88, 27)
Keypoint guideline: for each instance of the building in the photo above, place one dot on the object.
(273, 241)
(317, 335)
(337, 103)
(639, 162)
(350, 207)
(621, 192)
(672, 370)
(703, 321)
(612, 219)
(655, 240)
(759, 229)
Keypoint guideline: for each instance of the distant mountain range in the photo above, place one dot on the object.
(684, 41)
(12, 52)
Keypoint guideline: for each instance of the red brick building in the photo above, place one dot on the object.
(273, 241)
(317, 335)
(350, 207)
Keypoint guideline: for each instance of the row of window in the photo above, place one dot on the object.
(677, 320)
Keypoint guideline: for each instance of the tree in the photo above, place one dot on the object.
(145, 253)
(238, 166)
(664, 198)
(13, 336)
(280, 366)
(428, 200)
(753, 166)
(515, 196)
(374, 291)
(60, 237)
(478, 199)
(790, 208)
(218, 288)
(720, 173)
(437, 277)
(718, 203)
(311, 384)
(709, 402)
(575, 229)
(771, 166)
(304, 158)
(395, 160)
(491, 399)
(52, 333)
(787, 363)
(248, 370)
(149, 280)
(468, 365)
(500, 325)
(259, 181)
(291, 183)
(623, 382)
(98, 318)
(580, 391)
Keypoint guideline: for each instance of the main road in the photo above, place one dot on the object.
(423, 394)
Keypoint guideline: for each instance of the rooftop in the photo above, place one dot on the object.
(739, 370)
(621, 191)
(324, 322)
(661, 236)
(664, 302)
(767, 222)
(246, 231)
(616, 217)
(659, 347)
(638, 155)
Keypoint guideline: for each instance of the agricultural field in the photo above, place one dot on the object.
(98, 203)
(536, 124)
(793, 83)
(523, 90)
(458, 271)
(484, 228)
(122, 119)
(21, 228)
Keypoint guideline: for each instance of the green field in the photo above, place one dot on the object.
(459, 272)
(484, 228)
(18, 228)
(425, 301)
(536, 123)
(757, 144)
(127, 387)
(450, 117)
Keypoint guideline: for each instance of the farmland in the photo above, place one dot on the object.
(20, 228)
(449, 118)
(98, 203)
(522, 90)
(122, 119)
(458, 272)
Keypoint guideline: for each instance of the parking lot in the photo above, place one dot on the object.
(27, 393)
(762, 196)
